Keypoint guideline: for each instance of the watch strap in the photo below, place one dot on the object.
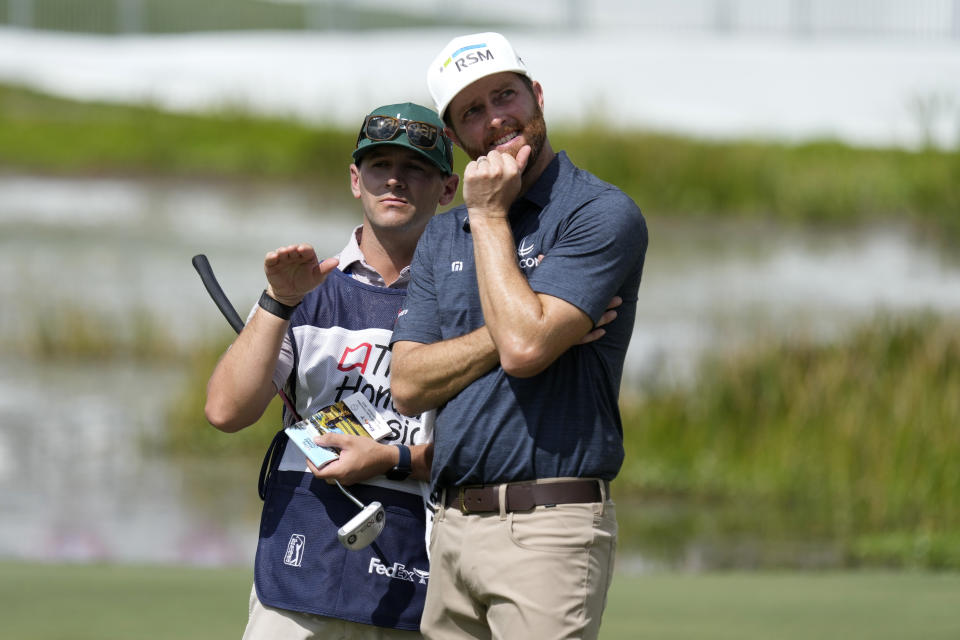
(404, 467)
(275, 307)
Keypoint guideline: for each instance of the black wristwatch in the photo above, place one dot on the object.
(403, 468)
(277, 308)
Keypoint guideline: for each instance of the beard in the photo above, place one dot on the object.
(534, 132)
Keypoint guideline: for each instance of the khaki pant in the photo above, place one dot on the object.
(534, 574)
(269, 623)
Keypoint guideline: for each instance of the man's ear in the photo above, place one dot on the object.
(537, 92)
(450, 133)
(355, 180)
(450, 184)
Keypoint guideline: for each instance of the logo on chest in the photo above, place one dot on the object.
(527, 257)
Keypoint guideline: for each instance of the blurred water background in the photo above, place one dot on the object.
(77, 482)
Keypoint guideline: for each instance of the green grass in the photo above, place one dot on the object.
(826, 182)
(785, 606)
(44, 134)
(822, 181)
(104, 602)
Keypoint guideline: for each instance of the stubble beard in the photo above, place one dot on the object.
(534, 132)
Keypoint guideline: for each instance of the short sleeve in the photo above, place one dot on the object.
(419, 319)
(600, 245)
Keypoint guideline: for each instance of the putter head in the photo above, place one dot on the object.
(363, 528)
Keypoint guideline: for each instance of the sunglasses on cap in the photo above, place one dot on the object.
(381, 128)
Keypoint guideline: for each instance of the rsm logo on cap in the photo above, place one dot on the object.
(489, 48)
(468, 55)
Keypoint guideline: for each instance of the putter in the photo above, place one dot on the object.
(364, 527)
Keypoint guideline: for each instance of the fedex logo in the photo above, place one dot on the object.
(398, 571)
(467, 56)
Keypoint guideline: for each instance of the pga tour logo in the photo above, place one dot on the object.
(294, 555)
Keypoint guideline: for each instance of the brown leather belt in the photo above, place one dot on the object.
(524, 495)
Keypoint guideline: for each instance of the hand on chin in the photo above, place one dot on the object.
(512, 147)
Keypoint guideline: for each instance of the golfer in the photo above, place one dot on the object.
(528, 432)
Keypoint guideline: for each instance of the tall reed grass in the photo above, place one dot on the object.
(862, 437)
(819, 181)
(42, 133)
(75, 332)
(188, 431)
(854, 441)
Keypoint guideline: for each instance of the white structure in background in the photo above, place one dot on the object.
(876, 73)
(915, 18)
(802, 18)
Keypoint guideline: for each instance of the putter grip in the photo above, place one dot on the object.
(202, 265)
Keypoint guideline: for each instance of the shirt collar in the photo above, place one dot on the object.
(351, 253)
(353, 263)
(540, 191)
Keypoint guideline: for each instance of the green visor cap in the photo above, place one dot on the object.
(410, 116)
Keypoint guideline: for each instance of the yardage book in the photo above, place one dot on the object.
(354, 415)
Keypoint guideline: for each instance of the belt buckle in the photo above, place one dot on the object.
(462, 499)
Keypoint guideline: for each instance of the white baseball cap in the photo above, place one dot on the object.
(466, 59)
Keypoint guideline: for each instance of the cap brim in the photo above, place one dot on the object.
(362, 151)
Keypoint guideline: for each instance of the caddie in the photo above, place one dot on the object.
(321, 331)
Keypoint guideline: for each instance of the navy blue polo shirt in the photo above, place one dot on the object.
(565, 421)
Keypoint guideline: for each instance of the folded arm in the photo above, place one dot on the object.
(425, 376)
(530, 330)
